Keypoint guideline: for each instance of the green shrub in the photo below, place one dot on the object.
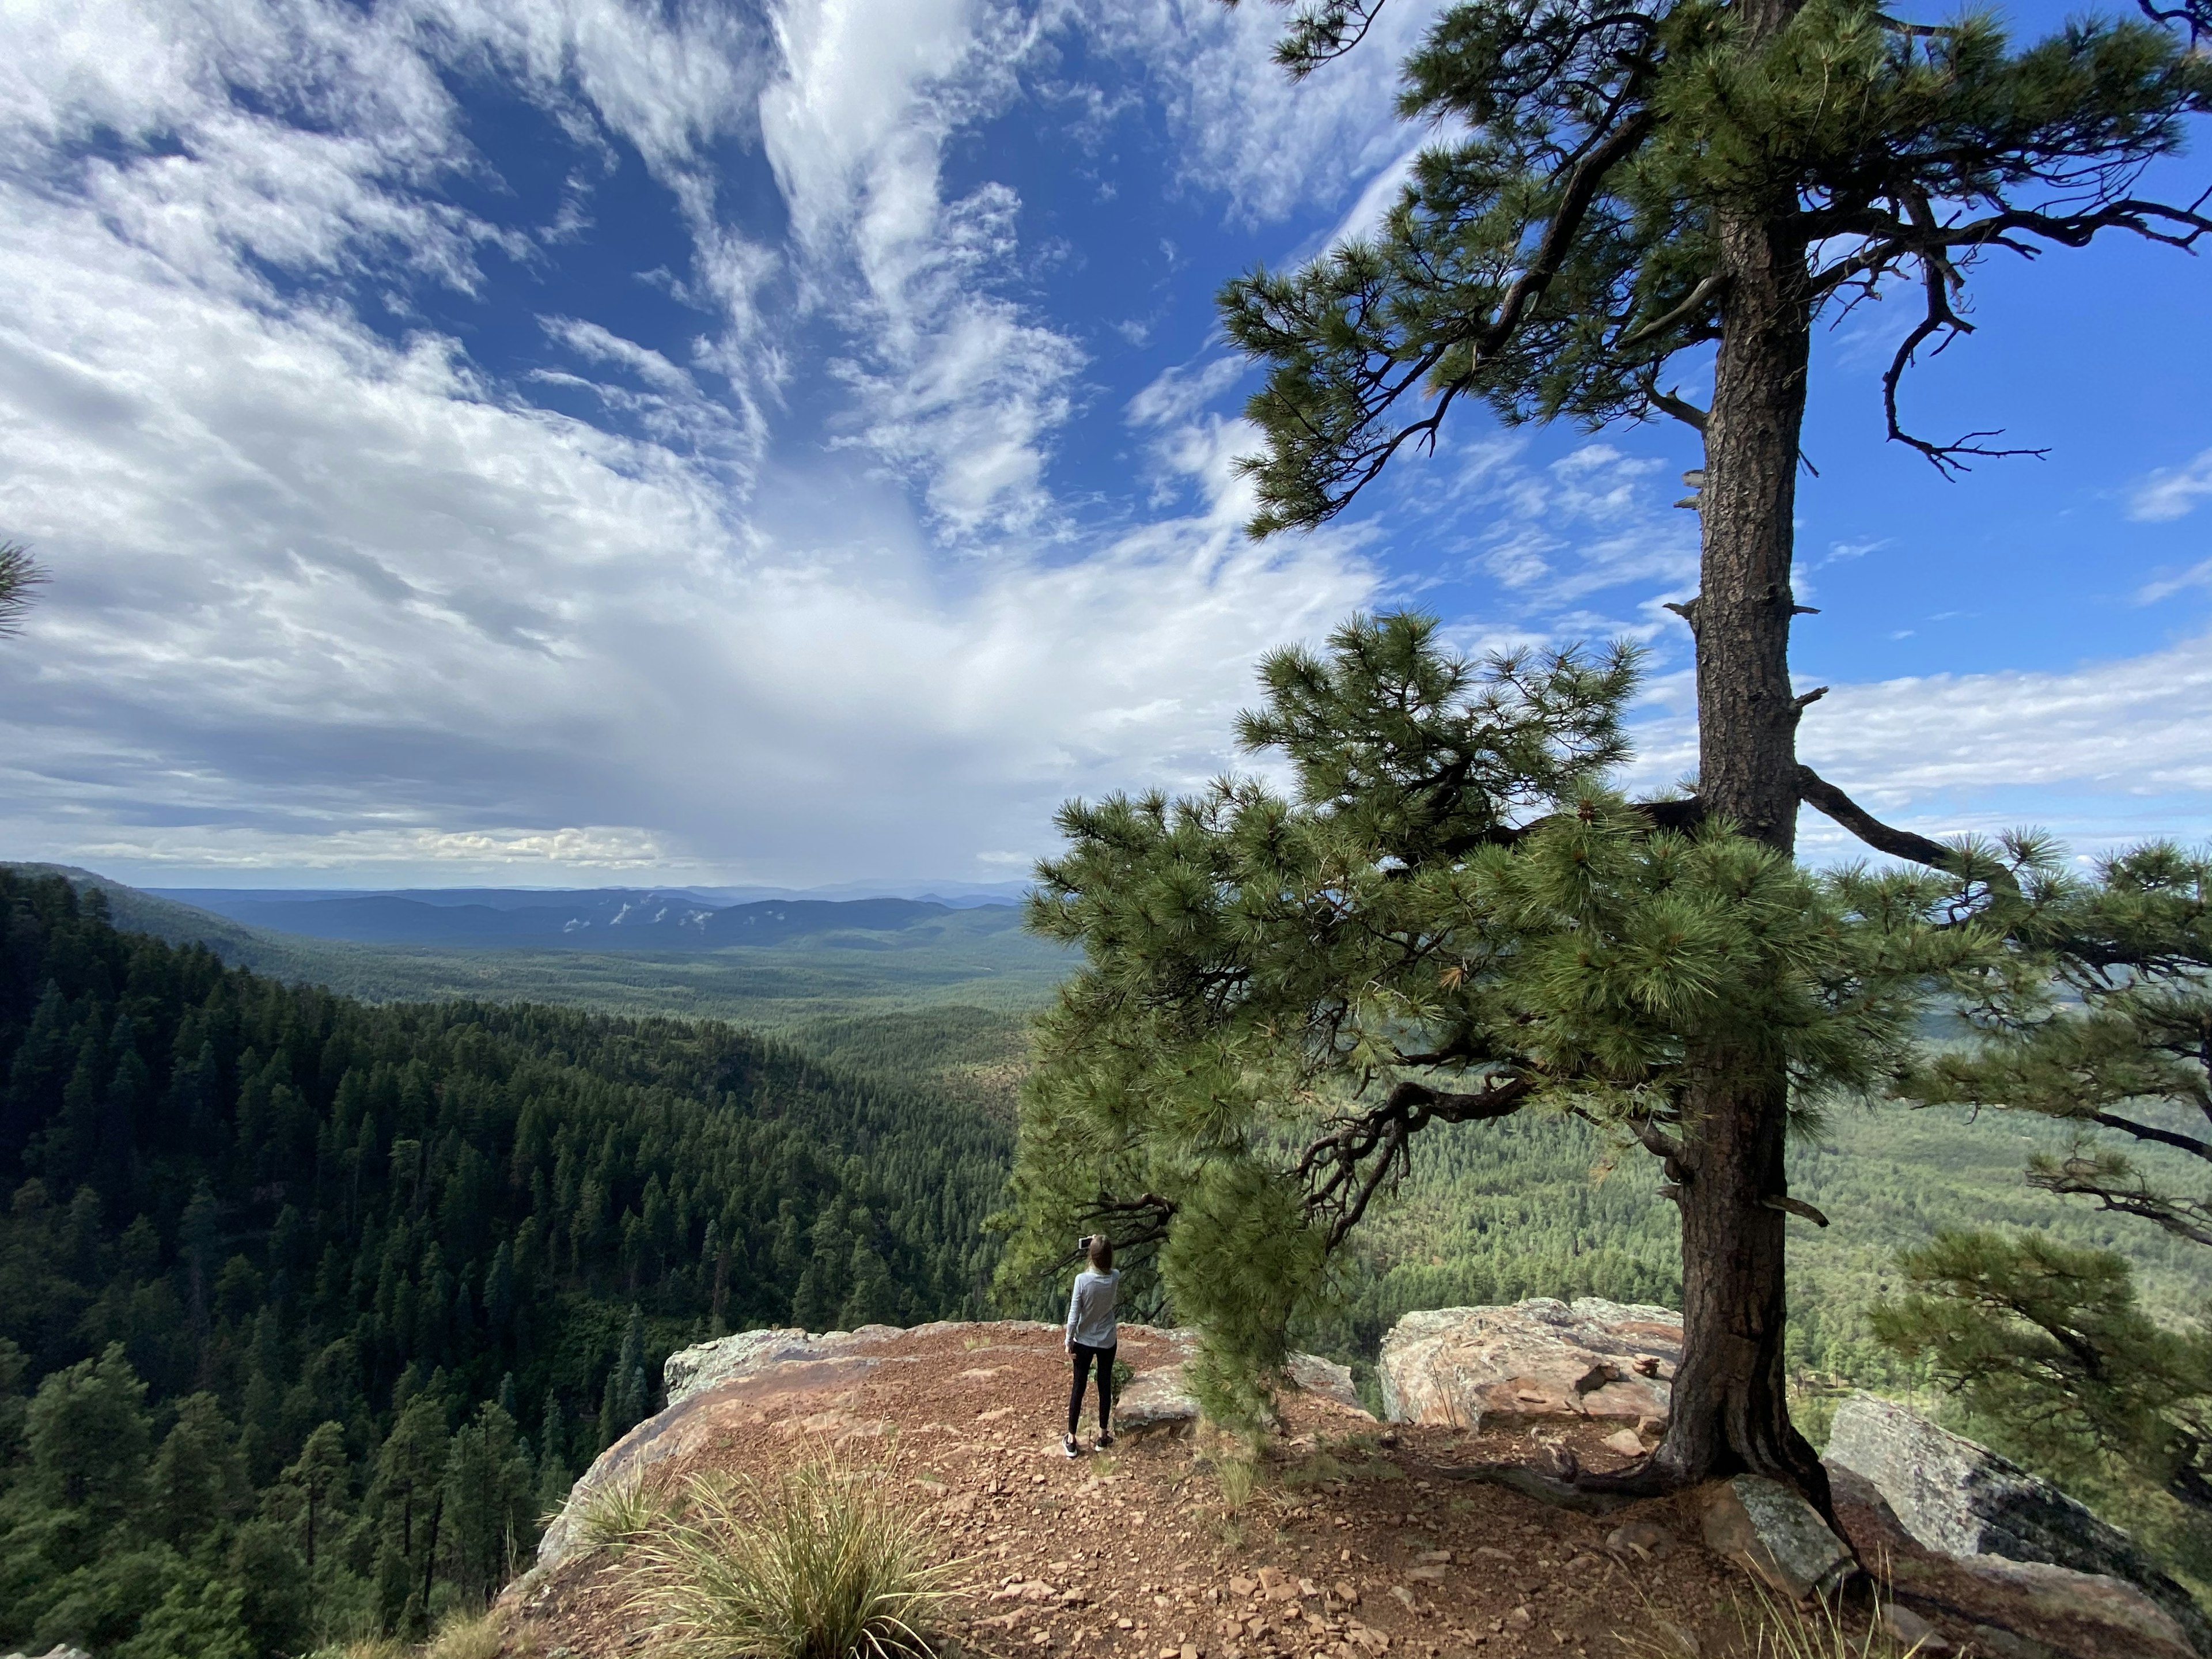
(821, 1561)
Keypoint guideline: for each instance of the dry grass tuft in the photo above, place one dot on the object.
(1771, 1629)
(624, 1510)
(822, 1561)
(467, 1636)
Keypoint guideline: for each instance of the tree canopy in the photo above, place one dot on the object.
(1447, 918)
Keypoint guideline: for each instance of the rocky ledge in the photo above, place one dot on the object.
(1964, 1531)
(1361, 1542)
(743, 1380)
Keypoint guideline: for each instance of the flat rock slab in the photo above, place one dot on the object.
(1529, 1362)
(1770, 1531)
(1954, 1499)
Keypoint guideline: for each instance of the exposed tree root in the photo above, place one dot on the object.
(1585, 1494)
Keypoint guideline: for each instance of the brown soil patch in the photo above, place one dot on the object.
(1353, 1543)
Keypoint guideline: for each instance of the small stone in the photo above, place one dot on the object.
(1431, 1558)
(1270, 1576)
(1427, 1575)
(1583, 1565)
(1241, 1587)
(1644, 1539)
(1346, 1592)
(1520, 1617)
(1125, 1624)
(1627, 1442)
(1904, 1626)
(1189, 1650)
(1404, 1596)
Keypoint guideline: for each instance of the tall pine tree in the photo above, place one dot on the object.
(1646, 179)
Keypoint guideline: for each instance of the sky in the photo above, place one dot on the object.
(576, 442)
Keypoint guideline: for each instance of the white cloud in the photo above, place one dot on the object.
(2174, 493)
(1246, 131)
(1176, 394)
(956, 386)
(321, 598)
(1596, 520)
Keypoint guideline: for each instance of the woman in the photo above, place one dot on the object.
(1090, 1339)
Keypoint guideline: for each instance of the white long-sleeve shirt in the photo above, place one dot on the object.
(1091, 1309)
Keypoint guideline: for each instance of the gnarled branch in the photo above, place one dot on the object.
(1345, 1166)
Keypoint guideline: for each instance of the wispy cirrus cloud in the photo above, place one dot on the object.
(2174, 493)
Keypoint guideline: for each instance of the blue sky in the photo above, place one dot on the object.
(558, 441)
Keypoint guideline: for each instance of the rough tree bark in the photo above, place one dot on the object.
(1730, 1410)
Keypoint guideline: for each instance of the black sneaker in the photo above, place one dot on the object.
(1069, 1447)
(1105, 1440)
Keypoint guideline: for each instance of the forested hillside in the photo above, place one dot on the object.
(306, 1305)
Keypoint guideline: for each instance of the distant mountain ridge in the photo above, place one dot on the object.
(619, 919)
(605, 918)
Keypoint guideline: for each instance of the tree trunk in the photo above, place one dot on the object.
(1730, 1412)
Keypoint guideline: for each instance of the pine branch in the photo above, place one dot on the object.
(19, 574)
(1817, 791)
(2102, 1179)
(2149, 1132)
(1936, 278)
(1357, 1154)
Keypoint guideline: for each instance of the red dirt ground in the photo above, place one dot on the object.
(1352, 1543)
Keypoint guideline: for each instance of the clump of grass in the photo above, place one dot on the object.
(1321, 1469)
(624, 1510)
(821, 1561)
(1771, 1629)
(467, 1636)
(1821, 1631)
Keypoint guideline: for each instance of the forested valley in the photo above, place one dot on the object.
(310, 1308)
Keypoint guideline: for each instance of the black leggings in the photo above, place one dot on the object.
(1083, 1356)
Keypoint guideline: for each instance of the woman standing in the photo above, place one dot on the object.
(1090, 1339)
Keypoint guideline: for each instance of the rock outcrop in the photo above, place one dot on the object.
(2020, 1551)
(1472, 1368)
(1772, 1532)
(806, 1381)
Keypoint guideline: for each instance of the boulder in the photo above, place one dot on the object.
(695, 1370)
(1533, 1361)
(1965, 1527)
(1771, 1531)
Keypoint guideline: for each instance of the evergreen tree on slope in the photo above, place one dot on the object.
(1644, 178)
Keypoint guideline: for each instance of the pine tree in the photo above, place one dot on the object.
(88, 1436)
(1643, 180)
(199, 1478)
(319, 1476)
(2098, 1018)
(1452, 920)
